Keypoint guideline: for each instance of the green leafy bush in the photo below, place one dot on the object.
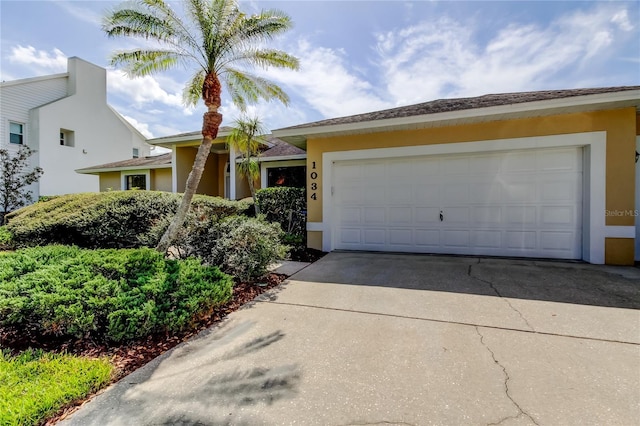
(105, 295)
(6, 239)
(286, 206)
(241, 246)
(116, 219)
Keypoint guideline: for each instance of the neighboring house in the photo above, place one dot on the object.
(281, 165)
(150, 173)
(66, 118)
(548, 174)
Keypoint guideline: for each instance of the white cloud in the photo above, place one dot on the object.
(444, 59)
(142, 91)
(142, 127)
(82, 13)
(38, 60)
(326, 83)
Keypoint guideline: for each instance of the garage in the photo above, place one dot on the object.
(511, 203)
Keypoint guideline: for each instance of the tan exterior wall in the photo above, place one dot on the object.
(242, 185)
(161, 180)
(110, 181)
(619, 251)
(620, 124)
(184, 158)
(222, 162)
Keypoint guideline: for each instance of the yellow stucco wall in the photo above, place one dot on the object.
(222, 162)
(620, 125)
(161, 180)
(184, 157)
(110, 181)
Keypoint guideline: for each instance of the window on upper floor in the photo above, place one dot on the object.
(67, 137)
(136, 153)
(16, 133)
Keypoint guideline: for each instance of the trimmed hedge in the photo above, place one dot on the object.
(106, 295)
(115, 219)
(6, 239)
(286, 206)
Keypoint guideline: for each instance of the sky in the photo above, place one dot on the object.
(355, 56)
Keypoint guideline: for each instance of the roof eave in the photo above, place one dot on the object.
(95, 171)
(168, 142)
(298, 137)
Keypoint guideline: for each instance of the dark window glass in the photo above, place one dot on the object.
(287, 176)
(16, 133)
(137, 181)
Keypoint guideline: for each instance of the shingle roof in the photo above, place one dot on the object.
(459, 104)
(280, 148)
(142, 162)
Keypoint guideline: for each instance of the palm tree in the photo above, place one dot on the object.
(217, 39)
(246, 138)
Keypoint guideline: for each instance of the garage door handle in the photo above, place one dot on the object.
(441, 216)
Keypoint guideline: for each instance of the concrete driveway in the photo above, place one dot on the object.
(359, 338)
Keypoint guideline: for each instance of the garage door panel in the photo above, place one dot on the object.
(402, 237)
(487, 239)
(521, 240)
(455, 215)
(427, 238)
(521, 216)
(455, 192)
(351, 216)
(374, 236)
(484, 192)
(486, 215)
(427, 215)
(524, 203)
(375, 215)
(557, 240)
(400, 215)
(558, 215)
(456, 238)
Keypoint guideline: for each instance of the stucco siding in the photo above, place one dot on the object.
(161, 180)
(110, 181)
(620, 127)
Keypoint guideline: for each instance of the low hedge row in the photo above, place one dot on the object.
(115, 219)
(106, 295)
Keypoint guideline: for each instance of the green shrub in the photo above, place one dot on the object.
(6, 239)
(116, 219)
(245, 247)
(241, 246)
(105, 295)
(286, 206)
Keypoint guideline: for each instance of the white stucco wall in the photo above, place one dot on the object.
(100, 136)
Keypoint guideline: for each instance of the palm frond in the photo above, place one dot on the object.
(247, 88)
(193, 90)
(265, 58)
(145, 62)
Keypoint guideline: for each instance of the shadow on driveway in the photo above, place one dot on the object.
(566, 282)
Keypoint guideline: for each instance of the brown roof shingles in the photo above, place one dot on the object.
(459, 104)
(142, 162)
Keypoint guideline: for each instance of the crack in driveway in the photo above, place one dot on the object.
(495, 290)
(507, 378)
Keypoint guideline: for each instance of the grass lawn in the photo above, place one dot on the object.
(36, 384)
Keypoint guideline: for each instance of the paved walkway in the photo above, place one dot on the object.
(360, 338)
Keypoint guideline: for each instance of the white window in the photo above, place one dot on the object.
(136, 153)
(67, 137)
(16, 133)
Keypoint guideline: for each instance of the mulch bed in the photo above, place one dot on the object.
(130, 356)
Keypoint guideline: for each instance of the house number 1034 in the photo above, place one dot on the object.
(314, 177)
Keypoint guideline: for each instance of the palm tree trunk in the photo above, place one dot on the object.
(210, 125)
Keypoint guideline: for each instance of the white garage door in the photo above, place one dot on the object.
(521, 203)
